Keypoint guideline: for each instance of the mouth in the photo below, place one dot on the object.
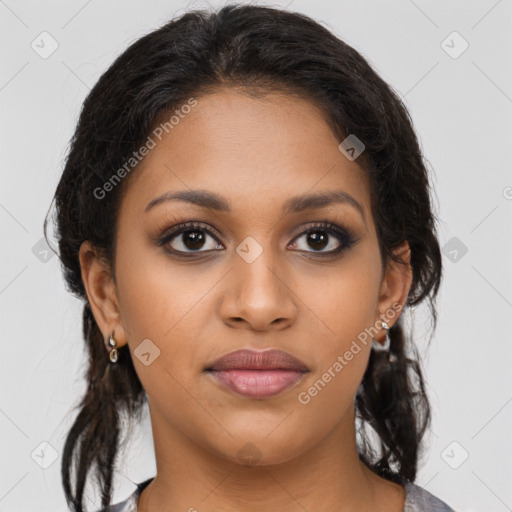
(256, 374)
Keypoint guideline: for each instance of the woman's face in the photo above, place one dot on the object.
(246, 277)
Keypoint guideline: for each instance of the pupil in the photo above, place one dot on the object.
(315, 238)
(195, 237)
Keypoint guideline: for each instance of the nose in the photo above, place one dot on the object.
(258, 295)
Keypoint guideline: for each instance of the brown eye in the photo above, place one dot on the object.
(190, 238)
(318, 240)
(325, 236)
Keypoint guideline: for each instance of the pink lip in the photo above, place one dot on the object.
(257, 383)
(257, 374)
(270, 359)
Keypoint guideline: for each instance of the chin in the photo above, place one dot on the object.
(261, 449)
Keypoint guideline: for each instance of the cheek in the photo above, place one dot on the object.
(160, 310)
(341, 354)
(342, 299)
(343, 305)
(156, 296)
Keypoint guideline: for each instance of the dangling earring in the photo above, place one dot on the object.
(113, 355)
(377, 346)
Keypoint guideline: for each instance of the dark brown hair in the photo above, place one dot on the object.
(257, 48)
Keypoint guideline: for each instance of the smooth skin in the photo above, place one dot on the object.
(255, 152)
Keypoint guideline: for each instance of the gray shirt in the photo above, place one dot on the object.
(417, 499)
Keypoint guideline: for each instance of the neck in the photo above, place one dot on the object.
(328, 476)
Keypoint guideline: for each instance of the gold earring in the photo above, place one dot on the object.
(113, 355)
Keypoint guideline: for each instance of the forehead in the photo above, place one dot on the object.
(254, 150)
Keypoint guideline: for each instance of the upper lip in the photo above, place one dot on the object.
(247, 359)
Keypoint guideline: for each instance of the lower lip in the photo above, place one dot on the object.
(257, 383)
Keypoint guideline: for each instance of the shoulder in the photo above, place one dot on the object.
(418, 499)
(130, 503)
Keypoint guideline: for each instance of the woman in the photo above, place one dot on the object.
(245, 212)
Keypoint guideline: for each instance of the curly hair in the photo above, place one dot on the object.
(259, 49)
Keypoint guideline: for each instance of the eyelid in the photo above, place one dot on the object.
(190, 225)
(323, 224)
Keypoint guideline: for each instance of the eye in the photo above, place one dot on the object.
(189, 238)
(325, 235)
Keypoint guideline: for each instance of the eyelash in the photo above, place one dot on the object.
(343, 235)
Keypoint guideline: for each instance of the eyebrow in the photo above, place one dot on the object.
(295, 204)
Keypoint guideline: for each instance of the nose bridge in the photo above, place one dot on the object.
(256, 267)
(257, 289)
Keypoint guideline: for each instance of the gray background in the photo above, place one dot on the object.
(461, 105)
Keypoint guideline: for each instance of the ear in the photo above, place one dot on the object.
(101, 292)
(394, 290)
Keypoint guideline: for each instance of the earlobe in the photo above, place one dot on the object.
(101, 293)
(395, 286)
